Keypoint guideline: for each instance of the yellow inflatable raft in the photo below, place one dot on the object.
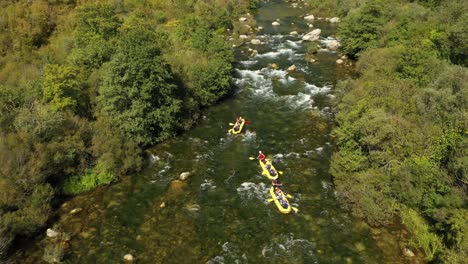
(266, 172)
(232, 131)
(283, 210)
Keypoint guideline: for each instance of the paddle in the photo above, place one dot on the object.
(289, 196)
(271, 200)
(252, 158)
(247, 122)
(295, 209)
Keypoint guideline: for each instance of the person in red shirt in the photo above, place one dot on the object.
(261, 157)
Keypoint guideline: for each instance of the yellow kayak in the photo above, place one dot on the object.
(232, 131)
(266, 172)
(283, 210)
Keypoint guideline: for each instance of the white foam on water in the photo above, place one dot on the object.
(249, 136)
(229, 254)
(249, 190)
(313, 89)
(154, 158)
(275, 54)
(300, 100)
(278, 157)
(289, 248)
(207, 185)
(294, 44)
(292, 154)
(248, 63)
(327, 185)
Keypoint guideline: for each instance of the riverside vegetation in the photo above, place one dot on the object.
(401, 135)
(87, 86)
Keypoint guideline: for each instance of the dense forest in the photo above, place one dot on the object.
(401, 135)
(86, 86)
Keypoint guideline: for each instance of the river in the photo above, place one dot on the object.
(220, 213)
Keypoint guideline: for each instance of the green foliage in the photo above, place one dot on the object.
(423, 238)
(139, 95)
(401, 125)
(360, 29)
(60, 88)
(86, 182)
(96, 26)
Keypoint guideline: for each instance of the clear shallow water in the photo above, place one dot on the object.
(220, 214)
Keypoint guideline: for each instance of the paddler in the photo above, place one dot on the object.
(261, 156)
(238, 123)
(272, 172)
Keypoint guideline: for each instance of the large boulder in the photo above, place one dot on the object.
(334, 20)
(314, 35)
(309, 17)
(333, 44)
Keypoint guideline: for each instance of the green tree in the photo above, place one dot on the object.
(138, 95)
(60, 87)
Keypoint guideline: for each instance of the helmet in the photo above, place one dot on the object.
(259, 151)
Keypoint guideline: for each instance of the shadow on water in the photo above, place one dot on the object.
(220, 214)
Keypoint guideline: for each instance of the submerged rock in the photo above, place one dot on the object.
(54, 253)
(76, 210)
(314, 35)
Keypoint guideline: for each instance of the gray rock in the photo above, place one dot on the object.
(292, 68)
(333, 45)
(255, 42)
(128, 258)
(334, 20)
(293, 33)
(339, 61)
(314, 35)
(243, 37)
(242, 19)
(408, 253)
(275, 23)
(52, 233)
(309, 17)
